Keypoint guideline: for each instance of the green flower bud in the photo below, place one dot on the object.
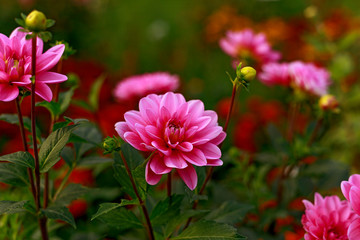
(110, 145)
(248, 73)
(36, 21)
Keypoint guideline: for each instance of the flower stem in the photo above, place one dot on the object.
(62, 185)
(142, 203)
(22, 132)
(42, 221)
(169, 187)
(211, 169)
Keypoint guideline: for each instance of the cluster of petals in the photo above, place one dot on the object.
(136, 87)
(241, 43)
(304, 76)
(351, 191)
(328, 218)
(179, 133)
(15, 66)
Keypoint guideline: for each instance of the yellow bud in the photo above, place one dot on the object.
(328, 102)
(248, 73)
(36, 21)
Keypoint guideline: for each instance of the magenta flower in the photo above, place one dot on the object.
(309, 78)
(245, 43)
(328, 218)
(15, 66)
(351, 191)
(136, 87)
(299, 75)
(179, 133)
(275, 74)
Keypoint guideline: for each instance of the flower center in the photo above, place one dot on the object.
(173, 133)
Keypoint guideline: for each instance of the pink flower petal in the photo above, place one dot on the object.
(157, 165)
(4, 41)
(50, 58)
(354, 196)
(121, 128)
(195, 157)
(160, 145)
(134, 141)
(50, 77)
(175, 160)
(188, 175)
(24, 80)
(214, 162)
(354, 230)
(150, 177)
(43, 91)
(211, 151)
(4, 77)
(8, 92)
(185, 147)
(219, 139)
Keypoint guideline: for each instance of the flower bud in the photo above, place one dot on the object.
(110, 145)
(328, 102)
(248, 73)
(36, 21)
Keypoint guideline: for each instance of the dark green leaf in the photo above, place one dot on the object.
(19, 21)
(11, 207)
(13, 174)
(229, 212)
(93, 160)
(105, 208)
(45, 36)
(71, 192)
(132, 156)
(50, 150)
(92, 136)
(82, 104)
(13, 119)
(50, 23)
(68, 155)
(65, 99)
(61, 213)
(24, 159)
(121, 176)
(52, 107)
(208, 230)
(163, 212)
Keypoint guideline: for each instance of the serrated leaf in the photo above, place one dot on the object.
(52, 107)
(51, 148)
(11, 207)
(208, 230)
(125, 202)
(118, 218)
(163, 212)
(229, 212)
(61, 213)
(13, 174)
(24, 159)
(70, 193)
(95, 92)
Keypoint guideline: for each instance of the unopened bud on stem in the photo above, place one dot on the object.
(248, 73)
(36, 21)
(328, 102)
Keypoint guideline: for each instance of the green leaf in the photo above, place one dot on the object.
(70, 193)
(24, 159)
(11, 207)
(208, 230)
(91, 137)
(52, 107)
(94, 160)
(95, 92)
(13, 119)
(132, 156)
(45, 36)
(61, 213)
(50, 150)
(19, 21)
(13, 174)
(50, 23)
(65, 99)
(163, 212)
(229, 212)
(120, 219)
(68, 155)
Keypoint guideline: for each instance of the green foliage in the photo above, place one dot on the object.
(164, 211)
(61, 213)
(208, 230)
(50, 150)
(13, 174)
(95, 92)
(229, 212)
(13, 119)
(24, 159)
(11, 207)
(69, 193)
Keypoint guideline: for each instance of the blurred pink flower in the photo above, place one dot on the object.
(180, 133)
(275, 74)
(139, 86)
(15, 66)
(351, 191)
(246, 42)
(304, 76)
(328, 218)
(309, 78)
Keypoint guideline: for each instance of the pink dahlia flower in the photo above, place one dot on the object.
(304, 76)
(328, 218)
(136, 87)
(310, 78)
(15, 66)
(246, 42)
(351, 191)
(179, 133)
(275, 74)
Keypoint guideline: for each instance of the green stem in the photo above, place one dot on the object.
(62, 185)
(142, 203)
